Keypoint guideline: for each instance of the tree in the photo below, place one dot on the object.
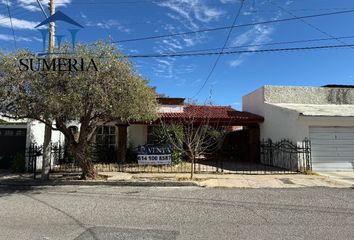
(95, 85)
(199, 137)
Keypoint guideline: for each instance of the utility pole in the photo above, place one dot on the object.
(51, 28)
(47, 148)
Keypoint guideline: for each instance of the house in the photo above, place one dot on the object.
(118, 137)
(325, 115)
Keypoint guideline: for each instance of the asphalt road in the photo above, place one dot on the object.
(103, 212)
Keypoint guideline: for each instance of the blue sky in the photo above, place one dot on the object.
(235, 75)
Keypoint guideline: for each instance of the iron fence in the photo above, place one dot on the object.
(32, 154)
(275, 158)
(287, 155)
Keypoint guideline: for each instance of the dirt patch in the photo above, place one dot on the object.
(286, 181)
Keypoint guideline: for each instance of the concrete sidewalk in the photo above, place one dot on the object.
(170, 179)
(345, 177)
(235, 180)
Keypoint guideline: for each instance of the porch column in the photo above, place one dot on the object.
(122, 143)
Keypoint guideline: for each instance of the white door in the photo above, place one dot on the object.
(332, 148)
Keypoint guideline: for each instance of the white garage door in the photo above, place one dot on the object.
(332, 148)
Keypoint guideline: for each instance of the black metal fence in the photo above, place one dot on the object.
(287, 155)
(275, 158)
(32, 154)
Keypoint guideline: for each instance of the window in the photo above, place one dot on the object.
(20, 133)
(9, 133)
(106, 136)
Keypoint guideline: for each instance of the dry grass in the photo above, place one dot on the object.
(177, 168)
(183, 167)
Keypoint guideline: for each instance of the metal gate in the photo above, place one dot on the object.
(287, 155)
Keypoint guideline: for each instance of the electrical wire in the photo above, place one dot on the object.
(12, 27)
(240, 51)
(231, 27)
(258, 45)
(222, 50)
(310, 24)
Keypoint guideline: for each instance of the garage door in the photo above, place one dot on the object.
(12, 141)
(332, 148)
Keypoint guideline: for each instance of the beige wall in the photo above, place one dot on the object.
(137, 135)
(308, 95)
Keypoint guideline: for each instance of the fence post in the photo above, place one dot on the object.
(35, 162)
(308, 155)
(270, 152)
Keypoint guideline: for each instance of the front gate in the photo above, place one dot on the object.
(287, 155)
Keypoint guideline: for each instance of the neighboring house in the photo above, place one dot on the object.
(121, 137)
(325, 115)
(17, 136)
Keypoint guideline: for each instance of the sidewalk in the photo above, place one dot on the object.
(170, 179)
(236, 180)
(346, 177)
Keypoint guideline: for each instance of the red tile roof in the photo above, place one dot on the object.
(214, 114)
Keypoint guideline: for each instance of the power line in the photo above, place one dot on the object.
(240, 51)
(232, 26)
(114, 3)
(255, 45)
(13, 14)
(311, 25)
(198, 4)
(12, 27)
(222, 50)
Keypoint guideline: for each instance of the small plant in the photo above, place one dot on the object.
(18, 163)
(309, 172)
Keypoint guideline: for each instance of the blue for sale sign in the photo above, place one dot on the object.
(152, 154)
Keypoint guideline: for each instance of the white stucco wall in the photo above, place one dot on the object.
(254, 102)
(281, 122)
(278, 123)
(35, 134)
(170, 108)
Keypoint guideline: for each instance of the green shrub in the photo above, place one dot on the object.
(166, 134)
(177, 156)
(18, 163)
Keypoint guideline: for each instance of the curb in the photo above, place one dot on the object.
(98, 183)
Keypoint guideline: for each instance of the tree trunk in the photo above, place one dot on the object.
(83, 156)
(192, 166)
(47, 148)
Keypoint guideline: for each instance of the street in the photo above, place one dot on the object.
(104, 212)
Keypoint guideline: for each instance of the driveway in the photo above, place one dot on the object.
(345, 177)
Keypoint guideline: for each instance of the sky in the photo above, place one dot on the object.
(234, 75)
